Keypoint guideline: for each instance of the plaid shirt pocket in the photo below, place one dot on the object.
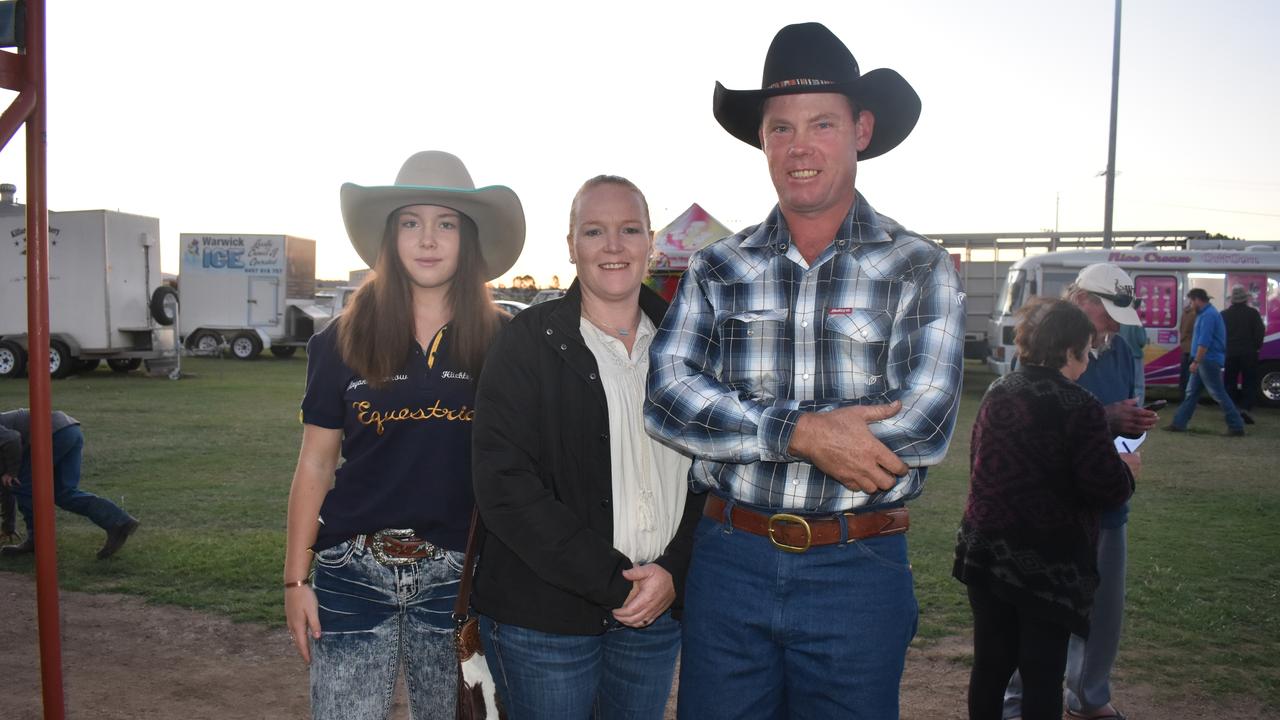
(753, 360)
(855, 353)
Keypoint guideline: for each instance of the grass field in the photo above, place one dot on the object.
(205, 463)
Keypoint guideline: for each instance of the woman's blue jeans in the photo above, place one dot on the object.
(376, 619)
(772, 635)
(622, 674)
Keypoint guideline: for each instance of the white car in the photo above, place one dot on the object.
(512, 307)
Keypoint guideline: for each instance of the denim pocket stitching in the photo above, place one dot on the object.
(346, 550)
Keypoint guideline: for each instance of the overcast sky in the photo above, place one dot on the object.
(246, 117)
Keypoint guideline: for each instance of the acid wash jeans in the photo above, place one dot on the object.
(375, 620)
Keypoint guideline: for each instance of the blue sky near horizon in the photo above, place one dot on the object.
(246, 117)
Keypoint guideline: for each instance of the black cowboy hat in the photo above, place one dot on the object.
(809, 58)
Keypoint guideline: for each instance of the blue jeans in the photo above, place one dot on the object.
(771, 634)
(375, 620)
(68, 446)
(621, 673)
(1208, 376)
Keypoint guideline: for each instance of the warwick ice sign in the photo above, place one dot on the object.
(251, 256)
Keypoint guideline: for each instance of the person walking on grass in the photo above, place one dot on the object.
(68, 447)
(1209, 352)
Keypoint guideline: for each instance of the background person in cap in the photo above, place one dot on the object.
(1106, 295)
(1208, 348)
(812, 366)
(68, 446)
(1245, 333)
(390, 391)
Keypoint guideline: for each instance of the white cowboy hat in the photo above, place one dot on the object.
(433, 177)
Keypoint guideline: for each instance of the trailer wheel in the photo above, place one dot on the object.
(61, 364)
(13, 359)
(124, 365)
(204, 342)
(1268, 384)
(246, 346)
(164, 305)
(283, 351)
(84, 365)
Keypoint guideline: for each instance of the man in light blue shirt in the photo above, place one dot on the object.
(1208, 353)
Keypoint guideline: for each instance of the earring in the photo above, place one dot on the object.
(573, 260)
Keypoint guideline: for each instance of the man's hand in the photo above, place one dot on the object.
(8, 480)
(1126, 418)
(652, 592)
(842, 446)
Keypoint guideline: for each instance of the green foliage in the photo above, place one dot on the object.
(205, 463)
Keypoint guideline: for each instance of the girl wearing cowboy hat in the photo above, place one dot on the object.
(589, 521)
(390, 390)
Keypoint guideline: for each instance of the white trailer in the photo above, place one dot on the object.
(250, 293)
(106, 297)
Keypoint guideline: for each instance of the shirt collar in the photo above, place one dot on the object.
(861, 226)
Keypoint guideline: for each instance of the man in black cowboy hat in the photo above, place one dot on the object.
(811, 365)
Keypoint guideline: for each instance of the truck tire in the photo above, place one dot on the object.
(61, 364)
(283, 351)
(204, 342)
(1268, 384)
(13, 359)
(124, 365)
(164, 305)
(246, 346)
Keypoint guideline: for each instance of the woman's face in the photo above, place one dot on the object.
(610, 242)
(1077, 363)
(427, 242)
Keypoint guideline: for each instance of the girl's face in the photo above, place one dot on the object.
(610, 242)
(427, 241)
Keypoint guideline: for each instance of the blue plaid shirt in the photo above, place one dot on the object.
(756, 336)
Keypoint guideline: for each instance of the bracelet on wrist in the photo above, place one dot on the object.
(297, 583)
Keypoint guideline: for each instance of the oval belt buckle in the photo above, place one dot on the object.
(788, 517)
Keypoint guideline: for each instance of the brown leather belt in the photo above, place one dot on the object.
(797, 533)
(399, 547)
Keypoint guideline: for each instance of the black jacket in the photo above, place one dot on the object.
(540, 465)
(1245, 330)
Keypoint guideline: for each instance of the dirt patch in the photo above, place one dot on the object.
(124, 659)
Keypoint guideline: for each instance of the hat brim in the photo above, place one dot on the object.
(496, 211)
(883, 92)
(1122, 315)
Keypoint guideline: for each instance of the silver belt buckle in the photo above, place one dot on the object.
(379, 547)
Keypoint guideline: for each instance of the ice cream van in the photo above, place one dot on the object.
(1161, 281)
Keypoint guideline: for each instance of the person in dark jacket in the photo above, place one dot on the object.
(1245, 333)
(1043, 467)
(68, 446)
(589, 522)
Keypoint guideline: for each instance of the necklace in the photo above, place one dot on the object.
(620, 331)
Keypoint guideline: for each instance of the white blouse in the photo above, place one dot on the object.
(650, 480)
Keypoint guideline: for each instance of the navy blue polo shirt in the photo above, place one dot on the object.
(406, 448)
(1110, 378)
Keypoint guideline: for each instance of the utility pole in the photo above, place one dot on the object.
(1111, 144)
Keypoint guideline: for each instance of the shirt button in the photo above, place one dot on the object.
(592, 376)
(548, 331)
(804, 323)
(605, 503)
(566, 347)
(604, 437)
(863, 333)
(805, 376)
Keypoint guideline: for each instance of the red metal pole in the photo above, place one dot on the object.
(38, 371)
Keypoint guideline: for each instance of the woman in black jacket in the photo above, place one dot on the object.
(588, 521)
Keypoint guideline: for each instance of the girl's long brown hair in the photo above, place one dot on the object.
(375, 333)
